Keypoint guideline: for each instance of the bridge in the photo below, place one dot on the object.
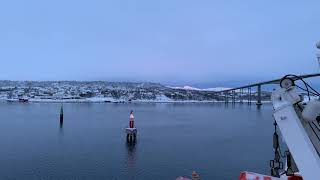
(242, 89)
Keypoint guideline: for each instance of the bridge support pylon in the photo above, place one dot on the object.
(259, 103)
(226, 100)
(233, 97)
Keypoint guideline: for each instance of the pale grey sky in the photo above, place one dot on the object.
(167, 41)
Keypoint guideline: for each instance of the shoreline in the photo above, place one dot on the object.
(123, 101)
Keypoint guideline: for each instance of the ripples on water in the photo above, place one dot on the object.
(217, 141)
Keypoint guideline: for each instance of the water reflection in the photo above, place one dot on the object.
(131, 158)
(61, 128)
(102, 150)
(259, 111)
(259, 106)
(233, 105)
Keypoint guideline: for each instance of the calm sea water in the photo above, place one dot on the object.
(217, 141)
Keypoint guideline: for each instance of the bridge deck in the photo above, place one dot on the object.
(275, 81)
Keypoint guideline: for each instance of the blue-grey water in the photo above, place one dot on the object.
(217, 141)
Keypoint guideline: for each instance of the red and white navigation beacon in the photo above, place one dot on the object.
(195, 175)
(131, 130)
(131, 122)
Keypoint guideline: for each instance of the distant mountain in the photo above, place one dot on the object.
(198, 89)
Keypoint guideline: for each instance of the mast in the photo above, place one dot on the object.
(318, 54)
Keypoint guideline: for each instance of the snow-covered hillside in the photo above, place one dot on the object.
(99, 91)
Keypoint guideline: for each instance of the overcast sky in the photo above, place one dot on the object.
(167, 41)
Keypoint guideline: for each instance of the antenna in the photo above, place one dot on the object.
(318, 57)
(318, 54)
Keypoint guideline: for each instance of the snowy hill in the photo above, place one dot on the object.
(99, 91)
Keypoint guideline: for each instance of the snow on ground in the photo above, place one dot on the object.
(101, 99)
(198, 89)
(185, 88)
(216, 89)
(163, 98)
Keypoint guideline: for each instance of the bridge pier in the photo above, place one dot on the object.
(249, 95)
(259, 95)
(240, 96)
(233, 97)
(226, 97)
